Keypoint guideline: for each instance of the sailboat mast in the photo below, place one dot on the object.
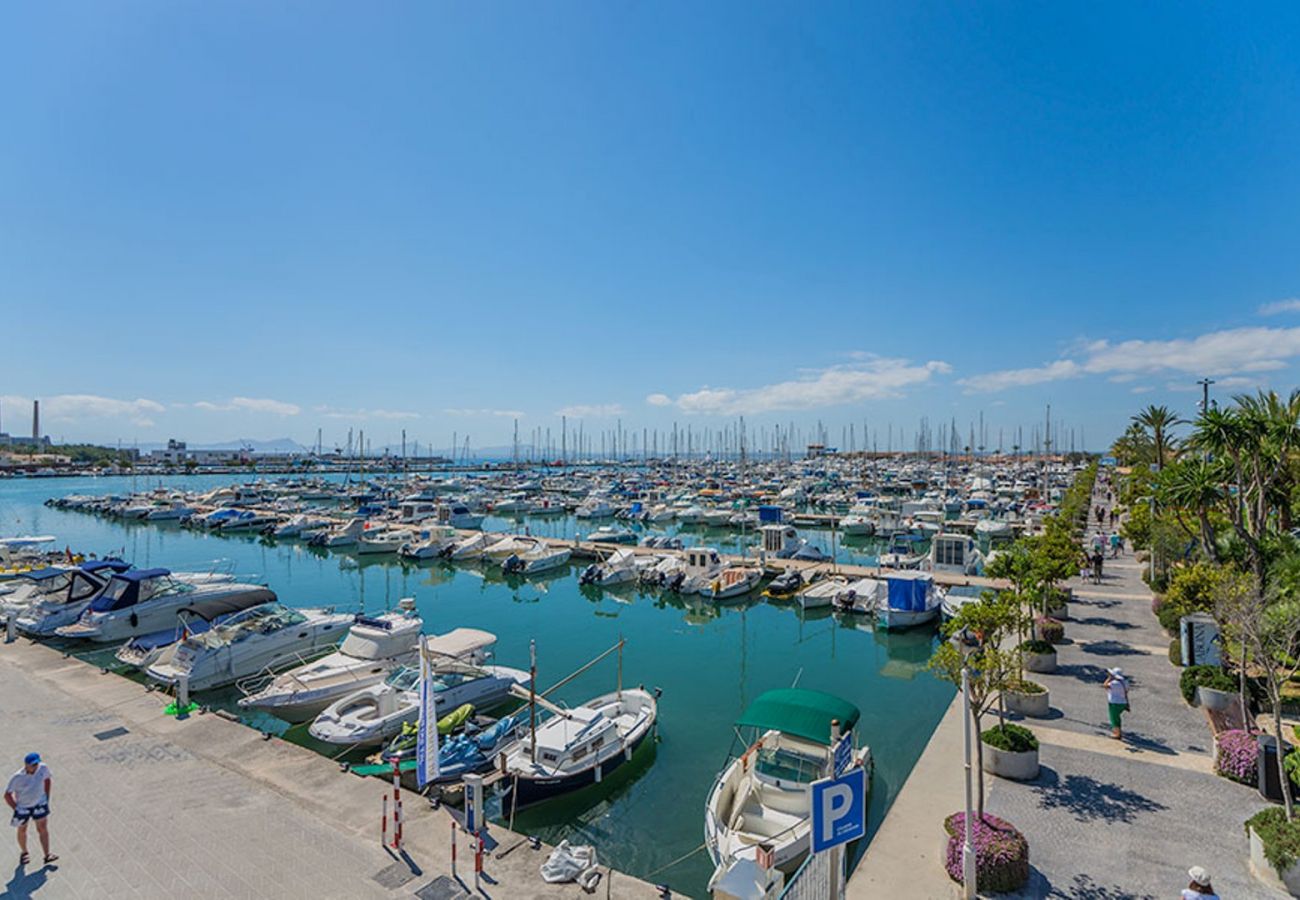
(532, 699)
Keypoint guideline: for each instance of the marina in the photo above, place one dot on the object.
(702, 657)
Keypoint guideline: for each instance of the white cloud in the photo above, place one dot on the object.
(659, 400)
(76, 407)
(591, 410)
(1225, 384)
(1141, 389)
(874, 378)
(1216, 353)
(1291, 304)
(503, 413)
(251, 404)
(354, 415)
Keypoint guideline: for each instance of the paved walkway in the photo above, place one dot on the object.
(148, 807)
(1105, 819)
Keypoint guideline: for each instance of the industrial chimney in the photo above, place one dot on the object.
(36, 421)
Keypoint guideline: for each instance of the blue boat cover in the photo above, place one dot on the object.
(142, 574)
(769, 515)
(95, 565)
(44, 574)
(909, 594)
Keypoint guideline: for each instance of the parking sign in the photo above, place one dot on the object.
(839, 809)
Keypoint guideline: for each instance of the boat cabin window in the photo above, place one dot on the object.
(578, 753)
(950, 553)
(118, 593)
(787, 765)
(549, 757)
(82, 588)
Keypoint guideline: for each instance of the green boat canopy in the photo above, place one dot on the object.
(802, 713)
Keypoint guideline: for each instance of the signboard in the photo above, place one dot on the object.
(839, 809)
(843, 754)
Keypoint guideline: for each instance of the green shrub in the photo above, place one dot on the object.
(1012, 738)
(1025, 687)
(1176, 652)
(1191, 590)
(1281, 838)
(1036, 646)
(1204, 676)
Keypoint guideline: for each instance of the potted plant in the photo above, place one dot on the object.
(1275, 849)
(1001, 852)
(1211, 686)
(1011, 751)
(1236, 756)
(1057, 604)
(1039, 656)
(1050, 630)
(1027, 698)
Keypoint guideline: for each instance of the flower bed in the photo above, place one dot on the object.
(1001, 852)
(1050, 630)
(1236, 756)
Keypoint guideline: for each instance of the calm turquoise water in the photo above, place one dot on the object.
(709, 661)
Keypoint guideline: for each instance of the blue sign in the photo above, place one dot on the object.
(843, 754)
(839, 809)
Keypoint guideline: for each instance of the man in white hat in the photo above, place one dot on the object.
(1200, 888)
(28, 796)
(1116, 699)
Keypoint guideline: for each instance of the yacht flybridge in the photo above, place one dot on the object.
(764, 796)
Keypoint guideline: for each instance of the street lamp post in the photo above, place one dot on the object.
(966, 643)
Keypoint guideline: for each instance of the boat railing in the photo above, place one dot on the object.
(256, 683)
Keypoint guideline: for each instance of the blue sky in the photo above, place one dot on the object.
(254, 220)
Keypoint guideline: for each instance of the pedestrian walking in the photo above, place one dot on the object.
(1097, 559)
(1116, 542)
(1117, 701)
(1085, 568)
(28, 795)
(1200, 887)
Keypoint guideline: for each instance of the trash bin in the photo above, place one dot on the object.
(1270, 786)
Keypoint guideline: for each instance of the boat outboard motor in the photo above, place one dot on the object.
(674, 583)
(589, 574)
(512, 563)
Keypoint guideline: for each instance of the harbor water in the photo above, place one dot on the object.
(709, 660)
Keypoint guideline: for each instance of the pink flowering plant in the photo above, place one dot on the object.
(1236, 756)
(1001, 852)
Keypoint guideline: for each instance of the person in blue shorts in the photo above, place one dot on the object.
(28, 795)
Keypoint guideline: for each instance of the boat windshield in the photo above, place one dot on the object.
(787, 765)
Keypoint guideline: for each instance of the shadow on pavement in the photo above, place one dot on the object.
(1088, 799)
(1111, 648)
(24, 884)
(1086, 886)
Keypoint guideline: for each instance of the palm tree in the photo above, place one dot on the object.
(1198, 486)
(1159, 420)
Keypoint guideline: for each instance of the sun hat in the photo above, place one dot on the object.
(31, 759)
(1117, 672)
(1199, 874)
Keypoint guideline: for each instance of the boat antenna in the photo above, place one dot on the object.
(798, 675)
(620, 665)
(532, 698)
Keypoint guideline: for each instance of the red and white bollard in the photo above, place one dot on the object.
(397, 805)
(453, 849)
(383, 824)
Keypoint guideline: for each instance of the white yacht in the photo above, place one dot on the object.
(381, 540)
(594, 508)
(701, 568)
(733, 581)
(578, 747)
(46, 599)
(374, 647)
(345, 535)
(429, 543)
(619, 568)
(458, 515)
(508, 545)
(143, 601)
(764, 796)
(264, 637)
(376, 713)
(823, 592)
(471, 547)
(955, 554)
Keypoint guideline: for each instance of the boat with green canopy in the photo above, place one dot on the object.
(763, 797)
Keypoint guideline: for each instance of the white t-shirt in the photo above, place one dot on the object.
(29, 790)
(1117, 692)
(1190, 894)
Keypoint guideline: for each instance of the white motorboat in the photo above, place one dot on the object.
(691, 515)
(265, 637)
(988, 528)
(345, 535)
(763, 798)
(733, 581)
(822, 593)
(578, 747)
(170, 512)
(619, 568)
(429, 543)
(594, 508)
(471, 547)
(857, 525)
(542, 557)
(458, 515)
(547, 506)
(300, 525)
(374, 647)
(956, 554)
(911, 599)
(611, 534)
(661, 513)
(902, 552)
(377, 713)
(514, 505)
(783, 542)
(701, 568)
(862, 595)
(508, 545)
(144, 601)
(381, 540)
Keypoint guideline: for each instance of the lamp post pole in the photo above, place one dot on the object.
(967, 850)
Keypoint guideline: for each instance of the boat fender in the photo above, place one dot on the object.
(135, 620)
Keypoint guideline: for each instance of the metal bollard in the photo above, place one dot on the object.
(478, 859)
(383, 824)
(11, 629)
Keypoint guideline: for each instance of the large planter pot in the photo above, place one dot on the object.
(1213, 699)
(1261, 868)
(1036, 706)
(1059, 606)
(1040, 662)
(1008, 764)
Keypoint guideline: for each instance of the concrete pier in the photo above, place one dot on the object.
(144, 806)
